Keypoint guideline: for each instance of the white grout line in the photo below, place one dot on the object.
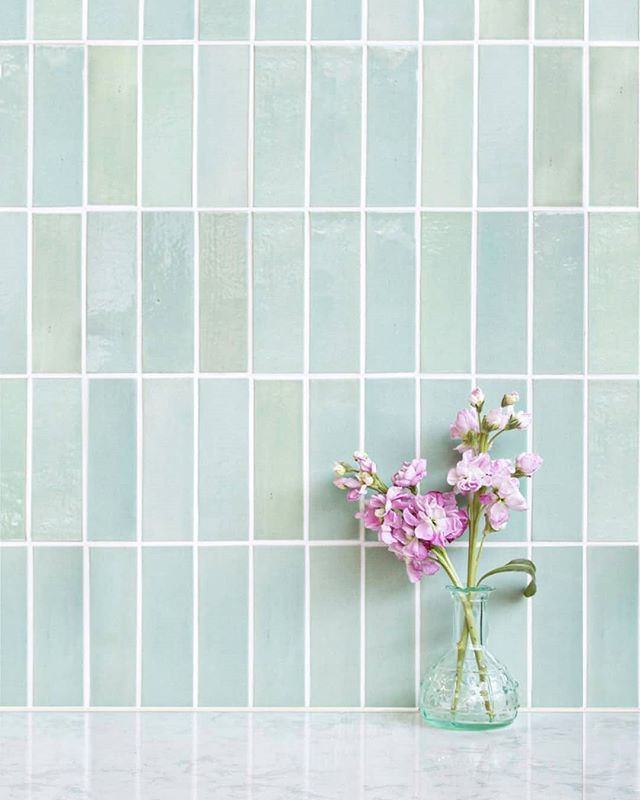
(409, 210)
(638, 443)
(575, 43)
(474, 201)
(134, 544)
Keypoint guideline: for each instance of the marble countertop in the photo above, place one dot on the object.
(313, 756)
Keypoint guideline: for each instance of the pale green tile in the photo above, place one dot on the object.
(224, 19)
(391, 126)
(502, 292)
(167, 132)
(111, 504)
(224, 455)
(13, 446)
(111, 291)
(613, 126)
(278, 292)
(437, 614)
(113, 114)
(558, 285)
(559, 19)
(447, 126)
(612, 618)
(57, 19)
(167, 291)
(167, 626)
(167, 467)
(56, 491)
(279, 126)
(614, 251)
(448, 19)
(440, 402)
(166, 19)
(335, 626)
(13, 24)
(395, 22)
(13, 627)
(336, 19)
(557, 126)
(223, 626)
(13, 125)
(500, 20)
(612, 21)
(113, 19)
(613, 461)
(334, 414)
(279, 626)
(280, 19)
(223, 108)
(391, 269)
(335, 292)
(13, 292)
(389, 422)
(223, 292)
(113, 626)
(57, 626)
(278, 460)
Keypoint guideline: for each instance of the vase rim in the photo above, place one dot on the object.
(470, 589)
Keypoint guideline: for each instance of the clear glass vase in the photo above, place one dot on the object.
(468, 688)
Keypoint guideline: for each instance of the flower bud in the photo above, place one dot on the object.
(476, 398)
(522, 420)
(496, 420)
(510, 399)
(365, 478)
(528, 463)
(339, 468)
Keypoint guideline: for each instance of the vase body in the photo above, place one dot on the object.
(468, 688)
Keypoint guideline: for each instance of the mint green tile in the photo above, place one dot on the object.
(224, 455)
(57, 19)
(13, 446)
(613, 461)
(13, 24)
(436, 614)
(167, 291)
(395, 22)
(335, 626)
(278, 460)
(612, 617)
(334, 413)
(56, 491)
(113, 626)
(13, 626)
(279, 126)
(13, 125)
(611, 21)
(503, 167)
(336, 88)
(336, 19)
(500, 20)
(557, 637)
(440, 402)
(391, 126)
(113, 19)
(280, 19)
(614, 250)
(391, 269)
(111, 501)
(390, 422)
(224, 19)
(13, 292)
(58, 126)
(223, 292)
(167, 467)
(613, 126)
(167, 626)
(112, 103)
(335, 292)
(557, 436)
(447, 126)
(558, 285)
(279, 626)
(223, 626)
(223, 108)
(111, 291)
(278, 292)
(502, 292)
(167, 131)
(557, 126)
(57, 626)
(448, 19)
(166, 19)
(559, 19)
(389, 629)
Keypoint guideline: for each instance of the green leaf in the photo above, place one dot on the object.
(517, 565)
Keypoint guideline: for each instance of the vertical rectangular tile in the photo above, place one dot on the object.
(447, 126)
(336, 19)
(13, 626)
(440, 401)
(58, 126)
(612, 21)
(448, 19)
(113, 626)
(57, 19)
(278, 292)
(224, 455)
(557, 127)
(223, 108)
(111, 509)
(13, 463)
(279, 626)
(13, 292)
(223, 622)
(334, 335)
(166, 19)
(391, 126)
(500, 20)
(56, 491)
(393, 23)
(167, 291)
(13, 24)
(13, 125)
(280, 19)
(167, 488)
(224, 19)
(57, 626)
(559, 19)
(167, 134)
(390, 422)
(279, 126)
(336, 88)
(113, 115)
(113, 19)
(167, 626)
(391, 269)
(223, 292)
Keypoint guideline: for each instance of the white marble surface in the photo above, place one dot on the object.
(297, 756)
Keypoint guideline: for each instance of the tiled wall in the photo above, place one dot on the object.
(240, 239)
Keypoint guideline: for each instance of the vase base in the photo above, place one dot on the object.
(460, 725)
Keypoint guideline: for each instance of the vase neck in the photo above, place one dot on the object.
(470, 604)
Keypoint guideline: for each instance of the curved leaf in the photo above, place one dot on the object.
(517, 565)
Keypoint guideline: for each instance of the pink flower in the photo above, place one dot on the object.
(508, 490)
(435, 518)
(466, 422)
(417, 569)
(383, 512)
(501, 468)
(411, 473)
(364, 462)
(470, 473)
(497, 515)
(476, 398)
(355, 490)
(522, 419)
(496, 419)
(528, 463)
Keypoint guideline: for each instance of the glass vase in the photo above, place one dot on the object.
(468, 688)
